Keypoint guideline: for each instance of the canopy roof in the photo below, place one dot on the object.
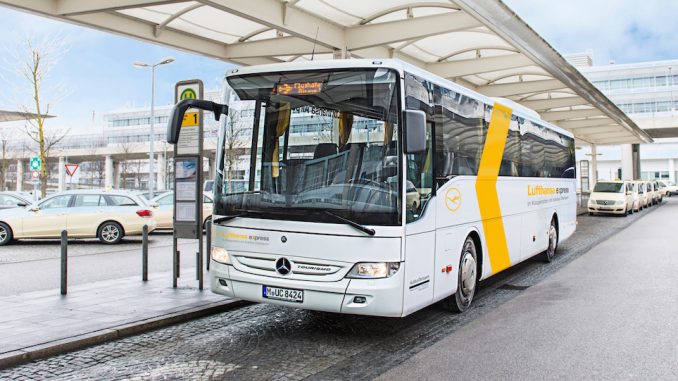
(483, 45)
(10, 116)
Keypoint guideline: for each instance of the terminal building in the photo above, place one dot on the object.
(647, 92)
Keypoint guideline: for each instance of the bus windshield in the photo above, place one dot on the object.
(311, 146)
(609, 187)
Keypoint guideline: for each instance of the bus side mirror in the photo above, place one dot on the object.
(415, 131)
(177, 116)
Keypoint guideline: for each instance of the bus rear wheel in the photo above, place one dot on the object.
(550, 252)
(467, 279)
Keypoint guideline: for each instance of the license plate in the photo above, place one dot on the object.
(286, 294)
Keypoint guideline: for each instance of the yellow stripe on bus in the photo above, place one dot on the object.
(486, 188)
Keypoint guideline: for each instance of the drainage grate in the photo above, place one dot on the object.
(514, 287)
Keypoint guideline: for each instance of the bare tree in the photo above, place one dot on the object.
(4, 142)
(127, 151)
(34, 61)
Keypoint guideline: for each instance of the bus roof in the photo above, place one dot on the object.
(401, 67)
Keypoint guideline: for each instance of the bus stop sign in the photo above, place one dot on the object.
(188, 176)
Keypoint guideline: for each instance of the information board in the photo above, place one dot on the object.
(188, 165)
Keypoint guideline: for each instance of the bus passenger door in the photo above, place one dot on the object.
(420, 229)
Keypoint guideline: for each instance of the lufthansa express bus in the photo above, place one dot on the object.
(377, 188)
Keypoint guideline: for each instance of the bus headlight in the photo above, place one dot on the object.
(220, 255)
(373, 270)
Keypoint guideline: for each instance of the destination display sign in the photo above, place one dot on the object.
(298, 88)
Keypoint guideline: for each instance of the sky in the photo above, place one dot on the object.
(95, 73)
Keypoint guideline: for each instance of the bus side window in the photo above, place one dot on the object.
(419, 95)
(419, 182)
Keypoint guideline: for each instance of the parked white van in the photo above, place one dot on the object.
(610, 197)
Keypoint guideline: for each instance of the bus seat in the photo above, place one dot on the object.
(324, 150)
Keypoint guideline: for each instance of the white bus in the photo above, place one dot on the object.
(377, 188)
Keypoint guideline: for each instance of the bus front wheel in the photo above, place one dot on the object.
(467, 279)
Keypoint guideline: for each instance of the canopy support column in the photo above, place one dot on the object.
(594, 166)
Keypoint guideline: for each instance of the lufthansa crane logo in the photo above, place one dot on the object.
(453, 199)
(283, 266)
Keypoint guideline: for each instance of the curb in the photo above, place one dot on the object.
(58, 347)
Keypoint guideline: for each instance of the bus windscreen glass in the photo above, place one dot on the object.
(297, 145)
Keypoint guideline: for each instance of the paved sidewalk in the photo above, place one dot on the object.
(611, 314)
(44, 323)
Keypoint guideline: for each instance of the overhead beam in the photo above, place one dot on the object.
(547, 104)
(127, 26)
(574, 124)
(73, 7)
(479, 65)
(279, 46)
(281, 16)
(516, 88)
(365, 36)
(599, 129)
(570, 114)
(384, 52)
(601, 132)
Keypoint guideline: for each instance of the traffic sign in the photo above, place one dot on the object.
(188, 94)
(35, 163)
(35, 174)
(71, 169)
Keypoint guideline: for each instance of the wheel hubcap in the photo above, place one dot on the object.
(110, 233)
(468, 274)
(553, 240)
(3, 234)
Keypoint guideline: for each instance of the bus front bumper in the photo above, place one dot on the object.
(375, 297)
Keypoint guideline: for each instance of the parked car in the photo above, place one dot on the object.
(671, 188)
(632, 188)
(163, 208)
(413, 198)
(208, 187)
(642, 191)
(610, 197)
(659, 191)
(652, 192)
(107, 215)
(146, 194)
(10, 200)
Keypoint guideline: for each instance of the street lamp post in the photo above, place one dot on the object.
(168, 60)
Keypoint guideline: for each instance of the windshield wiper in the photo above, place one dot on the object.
(354, 224)
(243, 213)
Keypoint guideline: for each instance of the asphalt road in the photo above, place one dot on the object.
(263, 342)
(33, 265)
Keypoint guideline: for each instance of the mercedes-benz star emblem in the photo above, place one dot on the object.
(283, 266)
(283, 239)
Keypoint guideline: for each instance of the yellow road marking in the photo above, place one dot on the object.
(486, 188)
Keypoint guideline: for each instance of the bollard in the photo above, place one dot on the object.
(208, 244)
(64, 262)
(144, 253)
(197, 267)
